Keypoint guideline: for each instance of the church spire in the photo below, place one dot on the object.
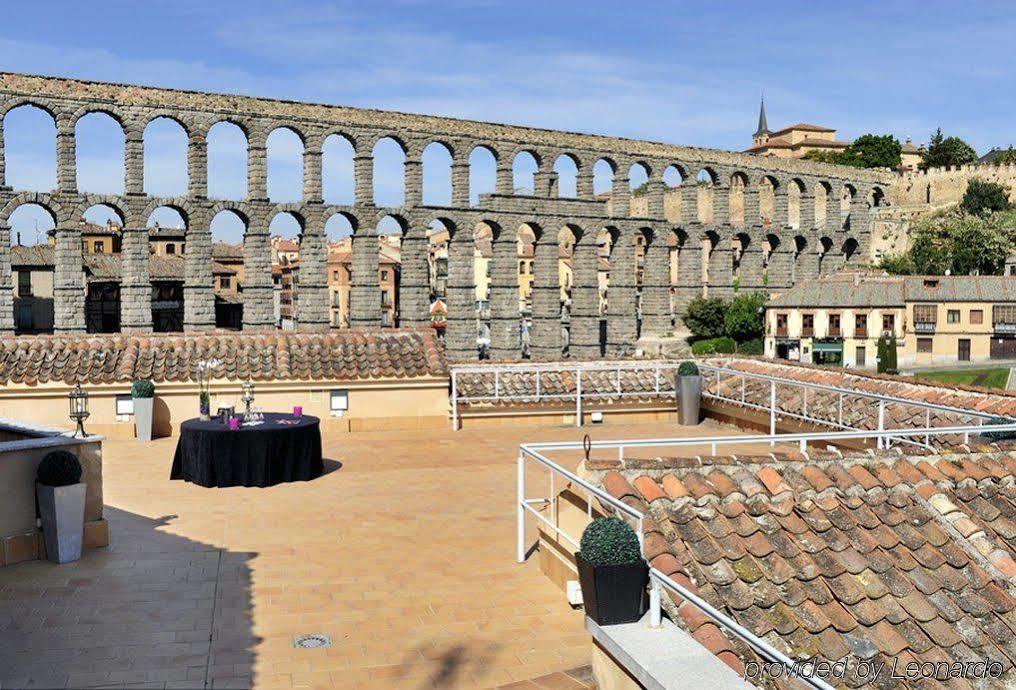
(763, 127)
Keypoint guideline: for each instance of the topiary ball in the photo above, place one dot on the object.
(59, 468)
(687, 369)
(143, 388)
(999, 435)
(610, 541)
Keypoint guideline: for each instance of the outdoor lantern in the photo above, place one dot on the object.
(78, 399)
(248, 394)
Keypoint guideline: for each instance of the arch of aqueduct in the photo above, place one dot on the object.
(756, 222)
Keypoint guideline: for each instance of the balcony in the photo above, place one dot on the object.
(807, 331)
(835, 332)
(1005, 327)
(860, 332)
(781, 332)
(924, 326)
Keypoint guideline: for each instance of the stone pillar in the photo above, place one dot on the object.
(364, 288)
(258, 289)
(584, 341)
(545, 344)
(781, 208)
(860, 215)
(197, 166)
(6, 283)
(460, 183)
(781, 267)
(135, 283)
(622, 319)
(198, 282)
(505, 182)
(414, 181)
(620, 197)
(363, 175)
(807, 212)
(749, 274)
(656, 288)
(721, 205)
(505, 319)
(257, 173)
(689, 202)
(721, 266)
(312, 189)
(806, 265)
(654, 199)
(834, 218)
(689, 279)
(66, 168)
(460, 331)
(752, 212)
(584, 185)
(134, 162)
(311, 298)
(69, 282)
(542, 183)
(414, 281)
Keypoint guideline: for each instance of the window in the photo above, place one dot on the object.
(834, 324)
(953, 316)
(225, 283)
(386, 318)
(335, 276)
(976, 316)
(170, 248)
(781, 324)
(1004, 314)
(924, 344)
(807, 324)
(183, 247)
(384, 276)
(24, 283)
(386, 299)
(25, 317)
(861, 326)
(925, 313)
(97, 247)
(888, 323)
(859, 356)
(522, 268)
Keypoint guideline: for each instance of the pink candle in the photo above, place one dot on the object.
(297, 411)
(234, 423)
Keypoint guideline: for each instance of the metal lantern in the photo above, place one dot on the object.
(78, 399)
(248, 395)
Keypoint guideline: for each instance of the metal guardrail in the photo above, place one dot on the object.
(658, 579)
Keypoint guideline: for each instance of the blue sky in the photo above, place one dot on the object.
(687, 72)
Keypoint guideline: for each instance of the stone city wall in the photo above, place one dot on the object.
(944, 186)
(753, 221)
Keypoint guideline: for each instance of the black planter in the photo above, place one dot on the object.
(613, 594)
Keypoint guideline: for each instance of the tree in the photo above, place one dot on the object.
(886, 354)
(744, 319)
(704, 317)
(984, 197)
(1007, 157)
(943, 151)
(872, 151)
(822, 156)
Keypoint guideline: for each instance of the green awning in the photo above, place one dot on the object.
(817, 346)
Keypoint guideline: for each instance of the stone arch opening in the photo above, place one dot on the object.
(228, 226)
(338, 182)
(227, 229)
(735, 207)
(877, 197)
(739, 246)
(769, 247)
(825, 246)
(482, 173)
(99, 154)
(30, 148)
(437, 174)
(603, 176)
(705, 180)
(339, 229)
(567, 169)
(767, 199)
(638, 178)
(167, 231)
(165, 157)
(850, 249)
(284, 152)
(822, 192)
(795, 219)
(30, 224)
(226, 151)
(847, 194)
(167, 238)
(524, 168)
(389, 173)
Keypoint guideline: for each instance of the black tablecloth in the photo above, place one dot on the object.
(209, 454)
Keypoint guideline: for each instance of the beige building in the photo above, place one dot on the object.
(340, 266)
(935, 319)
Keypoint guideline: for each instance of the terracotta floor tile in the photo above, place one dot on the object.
(403, 555)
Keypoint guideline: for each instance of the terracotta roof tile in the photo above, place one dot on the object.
(650, 490)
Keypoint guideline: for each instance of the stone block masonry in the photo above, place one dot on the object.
(698, 225)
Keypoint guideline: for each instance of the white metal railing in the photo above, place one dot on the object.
(658, 579)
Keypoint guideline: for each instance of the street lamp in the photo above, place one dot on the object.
(78, 399)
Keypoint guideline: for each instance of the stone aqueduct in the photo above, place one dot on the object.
(757, 221)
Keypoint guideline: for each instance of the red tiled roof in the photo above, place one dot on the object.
(867, 557)
(270, 355)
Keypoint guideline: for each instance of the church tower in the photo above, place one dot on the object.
(761, 135)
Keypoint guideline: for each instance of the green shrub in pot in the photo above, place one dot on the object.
(612, 573)
(61, 496)
(143, 392)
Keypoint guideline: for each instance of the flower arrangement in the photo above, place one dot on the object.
(205, 369)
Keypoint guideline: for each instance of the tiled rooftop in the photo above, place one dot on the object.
(336, 355)
(871, 556)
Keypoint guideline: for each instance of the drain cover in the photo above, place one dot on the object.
(312, 641)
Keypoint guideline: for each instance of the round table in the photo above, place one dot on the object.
(210, 454)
